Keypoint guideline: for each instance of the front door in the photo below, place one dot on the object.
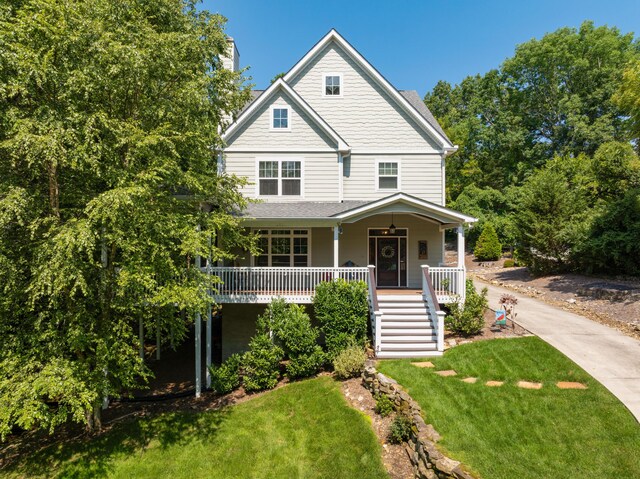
(388, 253)
(388, 261)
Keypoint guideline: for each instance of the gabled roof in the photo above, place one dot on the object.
(334, 36)
(281, 85)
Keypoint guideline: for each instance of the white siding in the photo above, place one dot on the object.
(365, 116)
(420, 175)
(256, 134)
(320, 174)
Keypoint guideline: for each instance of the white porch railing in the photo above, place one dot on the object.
(437, 315)
(375, 315)
(261, 284)
(448, 284)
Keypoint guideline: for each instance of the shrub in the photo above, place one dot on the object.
(342, 310)
(468, 320)
(292, 330)
(488, 247)
(509, 263)
(400, 430)
(226, 377)
(261, 363)
(384, 405)
(349, 362)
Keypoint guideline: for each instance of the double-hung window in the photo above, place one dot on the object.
(387, 175)
(280, 118)
(280, 178)
(283, 248)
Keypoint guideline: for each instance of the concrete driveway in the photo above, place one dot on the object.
(605, 353)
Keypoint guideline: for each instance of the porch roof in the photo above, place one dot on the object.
(329, 213)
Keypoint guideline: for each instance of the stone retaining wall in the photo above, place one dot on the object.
(428, 462)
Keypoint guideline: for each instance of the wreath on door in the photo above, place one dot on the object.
(387, 252)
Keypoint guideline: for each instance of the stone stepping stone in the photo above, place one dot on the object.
(470, 380)
(424, 364)
(446, 373)
(570, 385)
(529, 385)
(494, 384)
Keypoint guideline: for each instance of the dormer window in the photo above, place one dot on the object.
(333, 84)
(280, 118)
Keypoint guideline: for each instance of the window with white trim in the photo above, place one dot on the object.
(283, 248)
(388, 175)
(333, 85)
(280, 178)
(280, 118)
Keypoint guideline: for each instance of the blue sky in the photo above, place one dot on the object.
(412, 43)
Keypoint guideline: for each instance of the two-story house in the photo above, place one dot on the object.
(350, 174)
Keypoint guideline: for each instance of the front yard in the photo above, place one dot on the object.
(505, 431)
(303, 430)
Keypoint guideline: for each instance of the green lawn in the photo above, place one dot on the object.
(304, 430)
(508, 432)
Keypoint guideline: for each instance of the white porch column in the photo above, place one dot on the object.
(460, 246)
(336, 246)
(209, 324)
(198, 344)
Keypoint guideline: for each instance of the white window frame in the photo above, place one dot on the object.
(324, 85)
(377, 175)
(279, 160)
(291, 235)
(280, 107)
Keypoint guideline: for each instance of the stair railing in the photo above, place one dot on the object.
(375, 315)
(430, 298)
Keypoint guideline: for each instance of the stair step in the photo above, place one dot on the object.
(407, 354)
(405, 316)
(413, 346)
(406, 325)
(394, 339)
(400, 297)
(411, 330)
(403, 310)
(400, 304)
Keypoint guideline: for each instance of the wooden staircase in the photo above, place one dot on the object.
(407, 328)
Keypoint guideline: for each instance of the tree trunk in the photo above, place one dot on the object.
(54, 191)
(94, 418)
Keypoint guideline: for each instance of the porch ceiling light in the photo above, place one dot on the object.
(392, 227)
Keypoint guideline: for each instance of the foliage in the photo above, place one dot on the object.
(384, 405)
(281, 434)
(342, 310)
(509, 263)
(292, 330)
(400, 429)
(554, 214)
(106, 112)
(616, 169)
(226, 377)
(628, 98)
(468, 319)
(613, 242)
(261, 364)
(554, 423)
(349, 362)
(488, 247)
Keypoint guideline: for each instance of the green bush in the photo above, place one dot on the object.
(342, 310)
(400, 430)
(349, 362)
(261, 363)
(226, 377)
(292, 330)
(509, 263)
(384, 405)
(488, 247)
(470, 319)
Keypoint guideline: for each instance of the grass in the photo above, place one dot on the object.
(304, 430)
(508, 432)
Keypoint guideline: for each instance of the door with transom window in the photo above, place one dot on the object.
(388, 253)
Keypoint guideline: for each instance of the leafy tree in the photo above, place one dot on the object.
(616, 168)
(109, 116)
(488, 247)
(628, 98)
